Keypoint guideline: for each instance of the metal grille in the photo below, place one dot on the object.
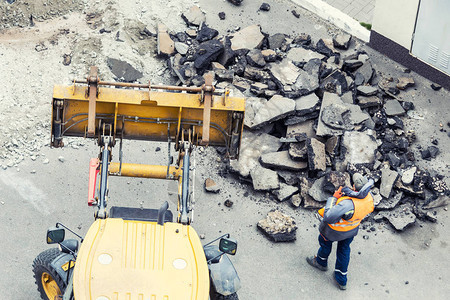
(433, 53)
(444, 60)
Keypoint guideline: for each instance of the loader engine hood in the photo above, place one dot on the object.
(122, 259)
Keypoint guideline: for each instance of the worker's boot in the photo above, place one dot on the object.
(341, 287)
(312, 260)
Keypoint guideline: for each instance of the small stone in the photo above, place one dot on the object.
(342, 41)
(157, 149)
(236, 2)
(393, 108)
(408, 175)
(67, 59)
(405, 82)
(211, 186)
(295, 13)
(435, 86)
(181, 48)
(46, 161)
(228, 203)
(61, 159)
(33, 172)
(278, 226)
(202, 236)
(296, 200)
(265, 7)
(222, 15)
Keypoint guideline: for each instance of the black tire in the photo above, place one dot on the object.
(43, 271)
(218, 296)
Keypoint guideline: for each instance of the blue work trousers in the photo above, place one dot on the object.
(342, 257)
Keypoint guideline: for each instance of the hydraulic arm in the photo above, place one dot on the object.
(110, 111)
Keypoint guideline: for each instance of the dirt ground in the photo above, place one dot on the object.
(37, 189)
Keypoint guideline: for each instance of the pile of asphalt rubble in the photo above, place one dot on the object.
(313, 119)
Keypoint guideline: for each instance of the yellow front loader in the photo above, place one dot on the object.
(134, 253)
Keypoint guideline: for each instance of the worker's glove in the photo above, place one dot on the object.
(338, 194)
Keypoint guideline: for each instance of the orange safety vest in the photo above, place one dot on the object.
(363, 207)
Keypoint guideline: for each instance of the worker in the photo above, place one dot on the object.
(340, 223)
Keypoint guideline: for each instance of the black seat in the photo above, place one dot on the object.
(138, 214)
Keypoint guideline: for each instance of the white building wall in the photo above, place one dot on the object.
(395, 19)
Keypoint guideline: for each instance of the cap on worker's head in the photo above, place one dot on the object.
(359, 181)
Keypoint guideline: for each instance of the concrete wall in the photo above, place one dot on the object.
(395, 19)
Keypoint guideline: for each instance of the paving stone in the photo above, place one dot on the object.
(278, 227)
(252, 146)
(211, 186)
(335, 82)
(289, 177)
(165, 44)
(206, 33)
(401, 217)
(282, 160)
(255, 58)
(276, 41)
(258, 88)
(284, 192)
(393, 108)
(367, 90)
(372, 101)
(247, 38)
(207, 53)
(194, 16)
(359, 148)
(440, 201)
(302, 39)
(306, 104)
(408, 175)
(275, 109)
(342, 41)
(269, 55)
(388, 178)
(285, 72)
(390, 203)
(351, 65)
(316, 155)
(264, 179)
(317, 192)
(322, 129)
(301, 55)
(334, 180)
(298, 151)
(292, 120)
(122, 70)
(304, 128)
(325, 47)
